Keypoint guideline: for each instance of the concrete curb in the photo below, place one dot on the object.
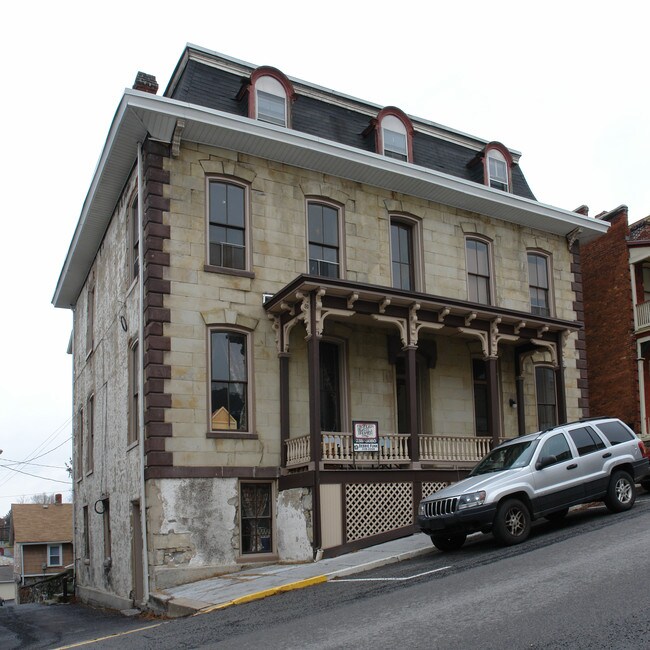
(265, 593)
(309, 582)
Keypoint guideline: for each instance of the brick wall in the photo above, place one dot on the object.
(609, 325)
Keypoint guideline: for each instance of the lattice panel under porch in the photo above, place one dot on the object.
(429, 487)
(374, 508)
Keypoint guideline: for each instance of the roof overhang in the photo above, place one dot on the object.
(142, 115)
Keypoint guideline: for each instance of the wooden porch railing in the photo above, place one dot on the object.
(643, 314)
(336, 449)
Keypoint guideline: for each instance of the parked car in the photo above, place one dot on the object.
(538, 475)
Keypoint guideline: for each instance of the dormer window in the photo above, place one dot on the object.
(394, 134)
(497, 167)
(272, 102)
(270, 97)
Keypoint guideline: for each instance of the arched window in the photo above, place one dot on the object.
(498, 162)
(228, 229)
(478, 270)
(394, 134)
(324, 239)
(229, 385)
(539, 283)
(270, 97)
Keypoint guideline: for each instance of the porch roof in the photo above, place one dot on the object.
(368, 299)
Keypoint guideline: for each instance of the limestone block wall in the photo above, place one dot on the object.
(103, 372)
(278, 195)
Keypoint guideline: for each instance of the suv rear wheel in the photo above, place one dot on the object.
(512, 522)
(621, 493)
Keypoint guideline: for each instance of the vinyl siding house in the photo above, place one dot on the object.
(295, 314)
(42, 537)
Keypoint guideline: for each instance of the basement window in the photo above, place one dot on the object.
(256, 520)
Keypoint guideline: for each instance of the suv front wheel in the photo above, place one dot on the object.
(512, 522)
(621, 493)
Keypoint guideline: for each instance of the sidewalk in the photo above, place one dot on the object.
(252, 584)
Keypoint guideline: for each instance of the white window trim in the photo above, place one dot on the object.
(394, 124)
(496, 155)
(49, 555)
(271, 86)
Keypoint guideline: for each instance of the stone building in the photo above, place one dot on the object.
(616, 274)
(295, 313)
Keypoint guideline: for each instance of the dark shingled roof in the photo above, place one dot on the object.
(219, 89)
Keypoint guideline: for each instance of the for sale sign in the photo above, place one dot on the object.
(365, 436)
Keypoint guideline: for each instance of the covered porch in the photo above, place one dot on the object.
(441, 381)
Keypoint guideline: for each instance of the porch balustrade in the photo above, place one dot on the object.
(643, 315)
(337, 449)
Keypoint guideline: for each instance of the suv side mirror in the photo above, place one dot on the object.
(545, 462)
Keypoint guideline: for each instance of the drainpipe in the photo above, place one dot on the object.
(143, 497)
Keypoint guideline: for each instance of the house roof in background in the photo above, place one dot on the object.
(35, 522)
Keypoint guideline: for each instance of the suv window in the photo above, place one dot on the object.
(586, 440)
(556, 446)
(615, 432)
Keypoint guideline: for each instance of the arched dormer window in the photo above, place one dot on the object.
(394, 134)
(498, 162)
(270, 97)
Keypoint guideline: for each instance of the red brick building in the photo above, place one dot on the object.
(616, 285)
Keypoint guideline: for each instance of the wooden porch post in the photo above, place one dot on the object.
(284, 406)
(493, 399)
(313, 355)
(559, 382)
(412, 402)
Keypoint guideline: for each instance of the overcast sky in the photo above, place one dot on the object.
(563, 82)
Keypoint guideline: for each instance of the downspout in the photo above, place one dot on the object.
(143, 492)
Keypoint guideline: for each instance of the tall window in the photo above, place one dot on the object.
(330, 387)
(86, 540)
(54, 555)
(394, 134)
(546, 397)
(90, 320)
(497, 168)
(134, 240)
(323, 232)
(227, 206)
(80, 444)
(538, 284)
(134, 390)
(228, 381)
(271, 101)
(256, 520)
(479, 377)
(90, 447)
(402, 257)
(478, 271)
(106, 519)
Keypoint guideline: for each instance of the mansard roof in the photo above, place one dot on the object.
(191, 111)
(212, 80)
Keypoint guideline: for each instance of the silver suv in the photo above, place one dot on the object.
(538, 475)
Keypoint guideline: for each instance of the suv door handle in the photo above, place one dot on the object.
(607, 455)
(572, 466)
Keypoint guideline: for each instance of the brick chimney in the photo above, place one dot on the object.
(57, 499)
(146, 83)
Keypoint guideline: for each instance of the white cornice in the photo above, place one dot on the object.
(141, 115)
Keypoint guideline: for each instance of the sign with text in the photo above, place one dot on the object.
(365, 436)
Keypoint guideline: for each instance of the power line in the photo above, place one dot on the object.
(43, 478)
